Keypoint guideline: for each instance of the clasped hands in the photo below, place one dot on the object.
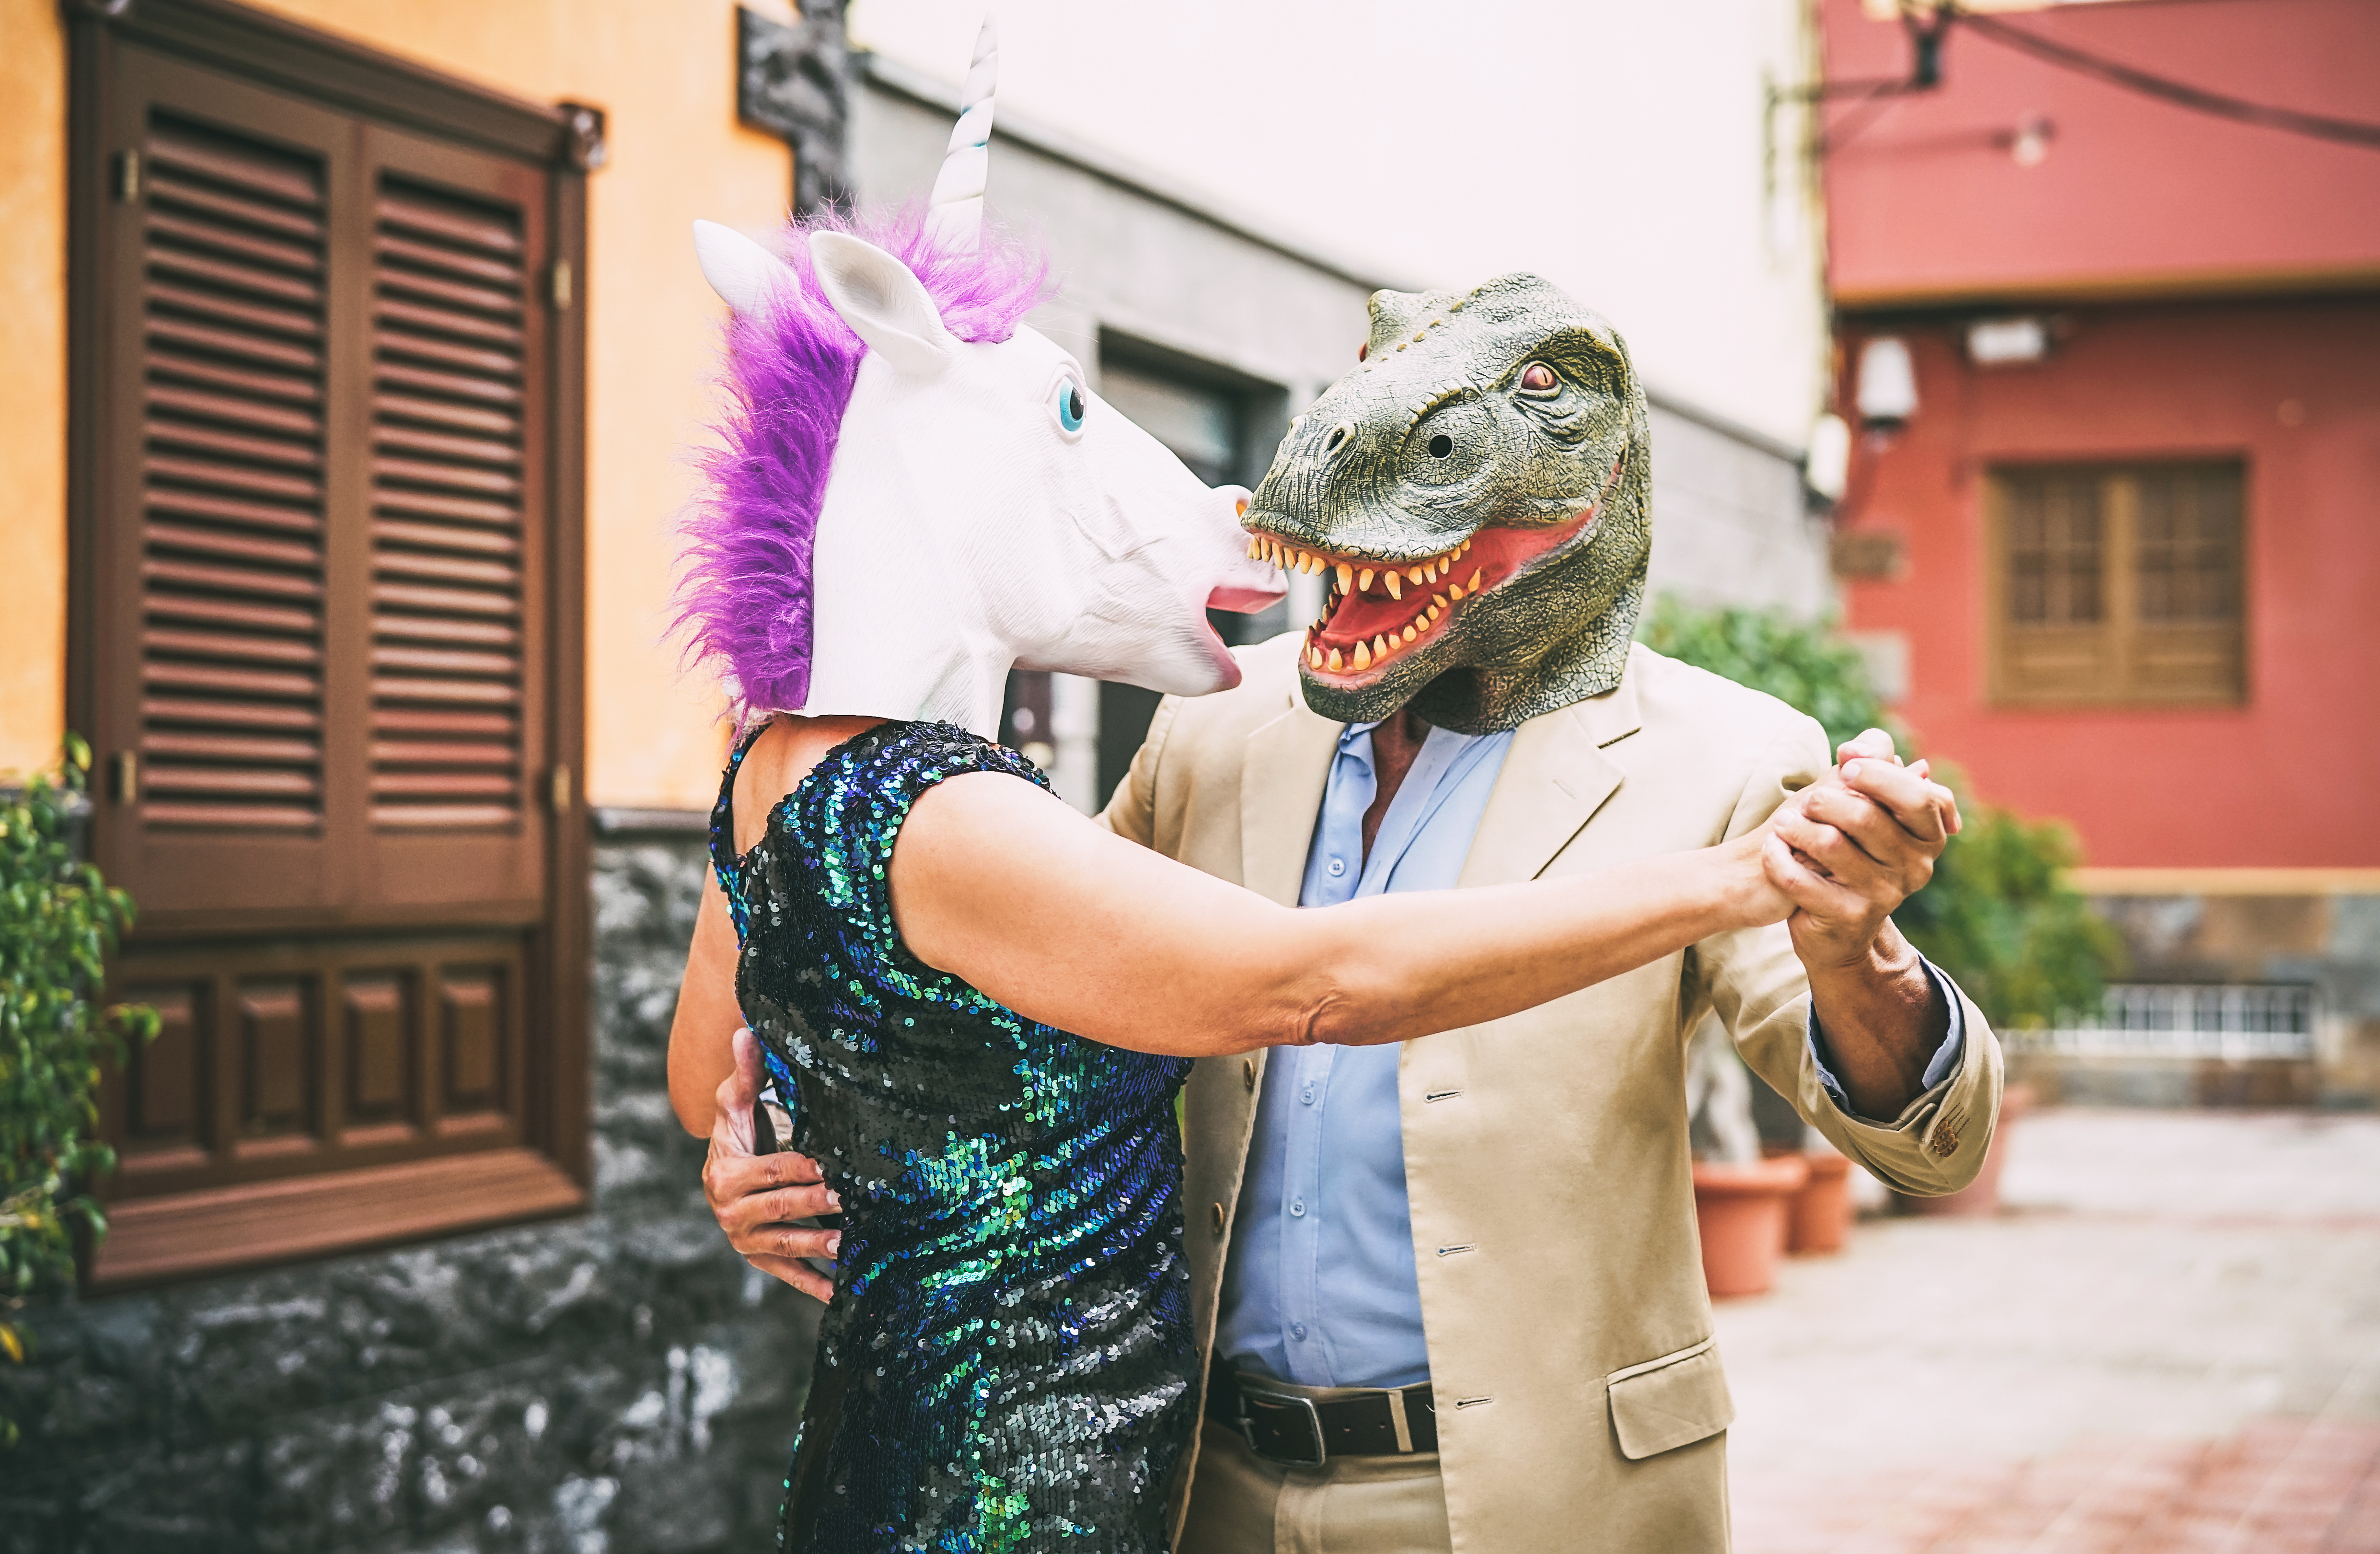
(1841, 854)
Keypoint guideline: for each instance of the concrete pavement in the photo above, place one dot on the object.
(2168, 1341)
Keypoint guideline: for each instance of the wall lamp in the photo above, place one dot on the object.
(1886, 392)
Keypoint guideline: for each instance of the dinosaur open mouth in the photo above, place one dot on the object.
(1379, 607)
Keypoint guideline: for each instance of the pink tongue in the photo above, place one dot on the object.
(1243, 601)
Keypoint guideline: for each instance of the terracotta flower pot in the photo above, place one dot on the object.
(1983, 1195)
(1742, 1212)
(1820, 1217)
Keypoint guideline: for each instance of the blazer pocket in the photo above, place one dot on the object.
(1671, 1401)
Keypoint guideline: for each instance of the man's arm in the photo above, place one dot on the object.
(1864, 848)
(1933, 1139)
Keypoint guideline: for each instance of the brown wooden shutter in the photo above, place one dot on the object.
(215, 480)
(457, 775)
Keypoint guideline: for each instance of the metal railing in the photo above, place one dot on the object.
(2234, 1022)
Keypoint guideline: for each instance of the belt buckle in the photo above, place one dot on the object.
(1283, 1400)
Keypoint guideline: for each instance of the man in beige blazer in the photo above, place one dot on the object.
(1568, 1396)
(1579, 1401)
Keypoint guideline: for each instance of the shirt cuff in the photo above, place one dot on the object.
(1940, 1066)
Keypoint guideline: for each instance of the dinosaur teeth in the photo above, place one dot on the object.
(1396, 585)
(1362, 579)
(1410, 632)
(1314, 656)
(1346, 578)
(1363, 656)
(1333, 661)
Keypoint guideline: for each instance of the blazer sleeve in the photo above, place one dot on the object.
(1131, 809)
(1754, 982)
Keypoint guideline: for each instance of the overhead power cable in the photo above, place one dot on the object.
(2353, 132)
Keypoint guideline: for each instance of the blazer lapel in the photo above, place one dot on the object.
(1556, 776)
(1287, 767)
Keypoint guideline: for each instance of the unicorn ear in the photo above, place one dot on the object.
(883, 302)
(744, 274)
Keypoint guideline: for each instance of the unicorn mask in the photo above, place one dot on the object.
(918, 493)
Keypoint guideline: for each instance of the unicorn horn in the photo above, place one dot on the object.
(954, 214)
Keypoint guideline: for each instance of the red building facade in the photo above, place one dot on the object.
(2114, 366)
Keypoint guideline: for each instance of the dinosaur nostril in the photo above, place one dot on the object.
(1340, 435)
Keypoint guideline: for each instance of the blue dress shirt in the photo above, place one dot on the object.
(1320, 1286)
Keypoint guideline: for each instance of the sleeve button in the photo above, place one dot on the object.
(1248, 1073)
(1219, 1218)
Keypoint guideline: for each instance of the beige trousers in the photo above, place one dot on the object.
(1239, 1503)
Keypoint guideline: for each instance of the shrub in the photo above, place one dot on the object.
(1998, 916)
(58, 919)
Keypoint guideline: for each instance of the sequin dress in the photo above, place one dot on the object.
(1007, 1359)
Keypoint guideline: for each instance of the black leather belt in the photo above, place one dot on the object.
(1288, 1428)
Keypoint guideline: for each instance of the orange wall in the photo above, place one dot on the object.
(666, 74)
(2284, 781)
(33, 383)
(2133, 192)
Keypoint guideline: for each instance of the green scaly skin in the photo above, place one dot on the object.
(1439, 441)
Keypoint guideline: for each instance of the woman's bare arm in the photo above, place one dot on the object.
(998, 883)
(700, 1054)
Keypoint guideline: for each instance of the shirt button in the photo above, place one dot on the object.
(1306, 1095)
(1296, 1209)
(1297, 1330)
(1338, 867)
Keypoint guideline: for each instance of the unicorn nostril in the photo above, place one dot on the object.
(1340, 435)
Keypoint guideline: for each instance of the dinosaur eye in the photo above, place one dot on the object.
(1537, 377)
(1070, 405)
(1363, 350)
(1440, 445)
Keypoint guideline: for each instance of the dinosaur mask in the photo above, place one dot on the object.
(1477, 492)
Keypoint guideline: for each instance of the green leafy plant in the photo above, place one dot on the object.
(58, 920)
(1998, 916)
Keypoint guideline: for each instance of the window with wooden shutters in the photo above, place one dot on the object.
(2120, 584)
(326, 633)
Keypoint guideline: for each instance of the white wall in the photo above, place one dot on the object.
(1614, 145)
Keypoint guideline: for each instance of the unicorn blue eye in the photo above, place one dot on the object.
(1071, 405)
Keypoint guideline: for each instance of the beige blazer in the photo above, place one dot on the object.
(1580, 1405)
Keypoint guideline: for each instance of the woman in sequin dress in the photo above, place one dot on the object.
(979, 1034)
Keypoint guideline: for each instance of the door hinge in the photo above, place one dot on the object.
(127, 176)
(559, 285)
(124, 777)
(557, 789)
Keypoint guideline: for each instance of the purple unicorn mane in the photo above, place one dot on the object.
(746, 589)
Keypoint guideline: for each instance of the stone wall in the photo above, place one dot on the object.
(608, 1384)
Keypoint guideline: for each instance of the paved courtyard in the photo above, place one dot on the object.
(2168, 1341)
